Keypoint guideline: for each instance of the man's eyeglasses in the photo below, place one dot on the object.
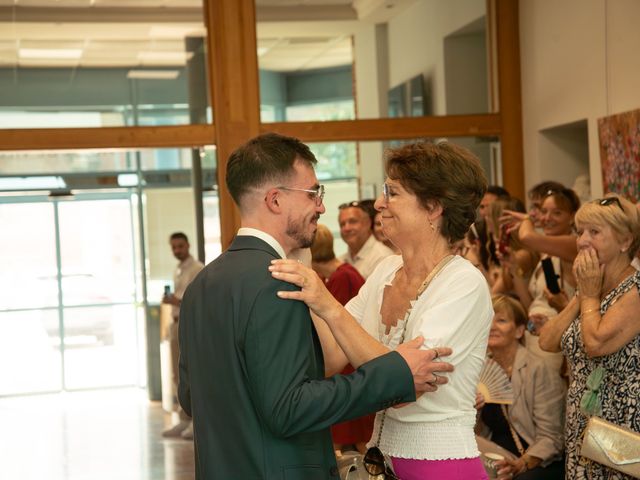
(375, 464)
(609, 201)
(316, 194)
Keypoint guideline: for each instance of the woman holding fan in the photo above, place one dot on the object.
(531, 427)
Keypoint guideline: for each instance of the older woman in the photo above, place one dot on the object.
(428, 203)
(530, 428)
(600, 327)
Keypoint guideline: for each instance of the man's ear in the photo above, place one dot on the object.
(272, 200)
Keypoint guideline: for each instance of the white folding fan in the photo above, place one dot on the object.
(494, 384)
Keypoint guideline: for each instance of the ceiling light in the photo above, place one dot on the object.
(128, 179)
(153, 74)
(32, 183)
(50, 53)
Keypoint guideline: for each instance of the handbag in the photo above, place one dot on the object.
(604, 442)
(612, 445)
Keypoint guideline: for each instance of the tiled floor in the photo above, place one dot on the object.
(99, 435)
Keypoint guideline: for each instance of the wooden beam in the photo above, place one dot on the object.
(234, 85)
(107, 137)
(510, 92)
(389, 128)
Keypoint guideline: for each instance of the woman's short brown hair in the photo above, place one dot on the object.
(322, 246)
(443, 173)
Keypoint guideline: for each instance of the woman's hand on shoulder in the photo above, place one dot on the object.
(312, 288)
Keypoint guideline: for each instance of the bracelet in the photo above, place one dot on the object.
(590, 310)
(526, 217)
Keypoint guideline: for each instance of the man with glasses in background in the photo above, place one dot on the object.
(356, 229)
(252, 372)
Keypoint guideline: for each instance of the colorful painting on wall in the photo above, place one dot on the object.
(620, 154)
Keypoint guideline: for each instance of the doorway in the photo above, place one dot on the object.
(70, 314)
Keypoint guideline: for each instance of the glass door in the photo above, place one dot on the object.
(69, 314)
(100, 340)
(29, 320)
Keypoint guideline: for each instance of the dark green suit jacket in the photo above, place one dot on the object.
(252, 375)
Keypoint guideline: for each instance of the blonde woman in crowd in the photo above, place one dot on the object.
(599, 332)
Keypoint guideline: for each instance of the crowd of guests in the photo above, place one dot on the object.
(549, 339)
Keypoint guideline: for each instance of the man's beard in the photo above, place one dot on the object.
(297, 231)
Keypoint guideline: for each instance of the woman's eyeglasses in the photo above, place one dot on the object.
(375, 464)
(385, 192)
(316, 194)
(609, 201)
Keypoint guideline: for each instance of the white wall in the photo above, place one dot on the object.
(580, 60)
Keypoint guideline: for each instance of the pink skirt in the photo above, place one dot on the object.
(454, 469)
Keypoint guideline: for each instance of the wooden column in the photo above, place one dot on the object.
(508, 39)
(234, 85)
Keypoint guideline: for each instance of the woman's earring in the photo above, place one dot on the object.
(433, 228)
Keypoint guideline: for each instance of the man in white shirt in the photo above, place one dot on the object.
(184, 273)
(365, 252)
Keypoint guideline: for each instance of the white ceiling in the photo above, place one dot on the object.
(292, 34)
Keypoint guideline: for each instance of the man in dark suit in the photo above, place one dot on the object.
(251, 364)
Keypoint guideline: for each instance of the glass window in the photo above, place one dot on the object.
(104, 169)
(28, 277)
(426, 57)
(97, 252)
(102, 64)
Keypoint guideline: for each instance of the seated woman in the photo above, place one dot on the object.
(599, 330)
(531, 428)
(429, 201)
(343, 281)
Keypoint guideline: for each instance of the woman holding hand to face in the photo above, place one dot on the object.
(599, 331)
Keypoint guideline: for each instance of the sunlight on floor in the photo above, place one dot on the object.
(106, 434)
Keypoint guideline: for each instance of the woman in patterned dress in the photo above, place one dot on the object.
(600, 327)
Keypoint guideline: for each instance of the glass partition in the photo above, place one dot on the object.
(359, 60)
(102, 64)
(80, 227)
